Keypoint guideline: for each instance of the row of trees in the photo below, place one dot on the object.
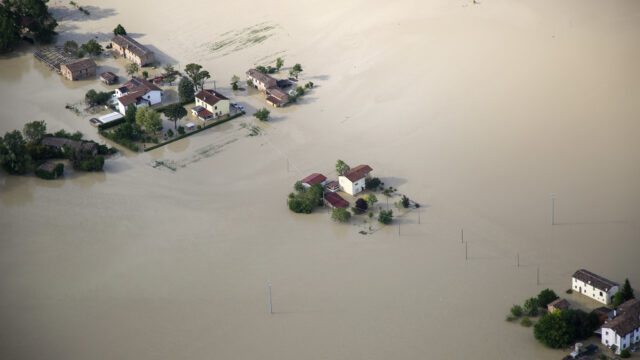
(20, 16)
(91, 47)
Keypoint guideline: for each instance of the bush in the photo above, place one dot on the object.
(385, 216)
(340, 215)
(545, 297)
(181, 130)
(298, 186)
(562, 328)
(570, 291)
(44, 174)
(304, 202)
(516, 310)
(602, 357)
(262, 114)
(526, 322)
(58, 170)
(198, 127)
(170, 133)
(510, 318)
(372, 183)
(361, 206)
(404, 202)
(625, 354)
(531, 306)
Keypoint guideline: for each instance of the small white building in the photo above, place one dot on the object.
(624, 329)
(139, 92)
(594, 286)
(353, 181)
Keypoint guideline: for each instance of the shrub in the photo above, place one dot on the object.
(298, 186)
(545, 297)
(44, 174)
(602, 357)
(625, 354)
(510, 318)
(531, 306)
(516, 310)
(170, 133)
(181, 130)
(58, 170)
(372, 183)
(361, 206)
(385, 216)
(370, 214)
(199, 127)
(404, 202)
(340, 215)
(570, 291)
(262, 114)
(526, 322)
(618, 299)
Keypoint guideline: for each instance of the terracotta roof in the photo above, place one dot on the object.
(357, 172)
(210, 96)
(628, 318)
(108, 76)
(314, 178)
(263, 78)
(133, 46)
(560, 303)
(331, 184)
(335, 200)
(278, 94)
(204, 113)
(131, 98)
(594, 280)
(136, 84)
(80, 64)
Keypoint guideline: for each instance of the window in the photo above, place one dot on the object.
(600, 293)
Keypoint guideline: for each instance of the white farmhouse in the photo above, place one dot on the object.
(353, 181)
(624, 329)
(139, 92)
(594, 286)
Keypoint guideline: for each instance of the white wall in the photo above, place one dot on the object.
(590, 291)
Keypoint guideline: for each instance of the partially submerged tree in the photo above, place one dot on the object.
(545, 297)
(92, 48)
(279, 63)
(385, 216)
(197, 75)
(296, 70)
(341, 215)
(371, 199)
(25, 18)
(132, 69)
(149, 118)
(361, 206)
(262, 114)
(34, 131)
(175, 112)
(234, 82)
(130, 113)
(342, 167)
(185, 89)
(170, 74)
(531, 306)
(13, 153)
(70, 47)
(119, 30)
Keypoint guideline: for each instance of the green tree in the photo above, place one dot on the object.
(31, 18)
(531, 306)
(170, 74)
(516, 310)
(70, 47)
(185, 89)
(34, 131)
(175, 112)
(552, 331)
(149, 118)
(92, 47)
(279, 63)
(234, 82)
(371, 199)
(145, 74)
(296, 70)
(341, 215)
(193, 72)
(625, 354)
(526, 322)
(201, 78)
(9, 29)
(262, 114)
(618, 299)
(130, 113)
(385, 216)
(298, 186)
(119, 30)
(262, 69)
(545, 297)
(342, 167)
(404, 201)
(132, 69)
(372, 183)
(13, 153)
(627, 291)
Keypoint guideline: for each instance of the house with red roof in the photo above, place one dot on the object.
(353, 181)
(334, 200)
(313, 179)
(210, 104)
(139, 92)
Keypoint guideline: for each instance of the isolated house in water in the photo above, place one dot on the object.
(624, 329)
(353, 181)
(132, 50)
(79, 69)
(594, 286)
(139, 92)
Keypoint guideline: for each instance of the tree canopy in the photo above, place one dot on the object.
(262, 114)
(563, 327)
(119, 30)
(31, 17)
(197, 75)
(13, 153)
(149, 118)
(342, 167)
(341, 215)
(170, 74)
(132, 69)
(175, 112)
(279, 63)
(92, 47)
(545, 297)
(385, 216)
(185, 89)
(34, 131)
(627, 291)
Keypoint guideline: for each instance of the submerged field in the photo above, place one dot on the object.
(478, 112)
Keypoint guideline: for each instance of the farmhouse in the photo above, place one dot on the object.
(261, 81)
(132, 50)
(139, 92)
(78, 69)
(624, 329)
(353, 181)
(558, 304)
(313, 179)
(594, 286)
(276, 97)
(209, 104)
(60, 143)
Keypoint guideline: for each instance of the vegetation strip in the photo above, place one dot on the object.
(195, 131)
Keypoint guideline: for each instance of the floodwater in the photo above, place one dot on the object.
(478, 112)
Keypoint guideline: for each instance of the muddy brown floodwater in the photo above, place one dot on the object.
(478, 112)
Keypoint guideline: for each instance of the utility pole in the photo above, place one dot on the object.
(270, 303)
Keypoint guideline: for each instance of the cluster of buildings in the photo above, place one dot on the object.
(620, 327)
(273, 88)
(351, 182)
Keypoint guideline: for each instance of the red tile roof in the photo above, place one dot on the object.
(136, 84)
(314, 178)
(335, 200)
(131, 98)
(357, 172)
(204, 113)
(210, 96)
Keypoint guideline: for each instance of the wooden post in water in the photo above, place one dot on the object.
(462, 235)
(518, 259)
(553, 209)
(418, 209)
(466, 257)
(270, 303)
(538, 276)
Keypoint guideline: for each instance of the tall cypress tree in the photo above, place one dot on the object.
(627, 291)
